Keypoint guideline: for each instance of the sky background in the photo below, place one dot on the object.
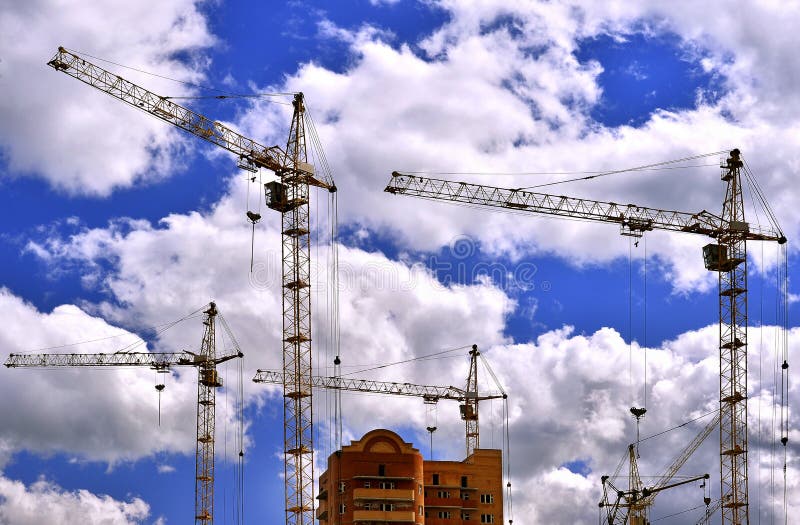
(114, 224)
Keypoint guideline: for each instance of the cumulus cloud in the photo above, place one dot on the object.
(27, 505)
(79, 140)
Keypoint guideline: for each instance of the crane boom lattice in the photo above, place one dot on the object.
(165, 109)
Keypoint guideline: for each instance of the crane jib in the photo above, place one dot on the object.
(250, 151)
(632, 218)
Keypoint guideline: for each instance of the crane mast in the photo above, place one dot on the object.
(208, 381)
(727, 256)
(207, 385)
(731, 263)
(469, 410)
(289, 196)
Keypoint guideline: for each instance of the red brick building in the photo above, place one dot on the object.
(382, 479)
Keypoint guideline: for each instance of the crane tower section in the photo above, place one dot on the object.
(728, 257)
(290, 196)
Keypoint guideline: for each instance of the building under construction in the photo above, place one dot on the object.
(382, 479)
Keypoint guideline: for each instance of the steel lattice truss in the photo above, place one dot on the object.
(166, 110)
(207, 385)
(427, 392)
(733, 357)
(630, 217)
(297, 401)
(156, 361)
(469, 410)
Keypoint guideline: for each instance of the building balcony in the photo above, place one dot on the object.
(384, 494)
(323, 494)
(395, 516)
(384, 478)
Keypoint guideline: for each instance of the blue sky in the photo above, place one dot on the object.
(113, 223)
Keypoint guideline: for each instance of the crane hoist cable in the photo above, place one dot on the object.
(158, 329)
(225, 94)
(637, 412)
(538, 173)
(253, 217)
(410, 360)
(646, 167)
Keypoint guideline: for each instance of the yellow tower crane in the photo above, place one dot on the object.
(289, 196)
(208, 381)
(727, 255)
(468, 397)
(631, 507)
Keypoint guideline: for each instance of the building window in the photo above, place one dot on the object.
(443, 494)
(387, 507)
(465, 495)
(387, 484)
(436, 479)
(342, 508)
(463, 481)
(487, 518)
(487, 498)
(367, 484)
(342, 486)
(465, 516)
(381, 470)
(419, 512)
(420, 488)
(367, 506)
(444, 514)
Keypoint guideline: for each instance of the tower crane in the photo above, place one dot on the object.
(207, 382)
(637, 500)
(468, 397)
(289, 196)
(628, 508)
(727, 255)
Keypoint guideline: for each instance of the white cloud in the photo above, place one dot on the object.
(165, 469)
(76, 138)
(28, 505)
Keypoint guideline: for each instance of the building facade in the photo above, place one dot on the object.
(381, 479)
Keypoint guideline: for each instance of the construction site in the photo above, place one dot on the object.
(445, 455)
